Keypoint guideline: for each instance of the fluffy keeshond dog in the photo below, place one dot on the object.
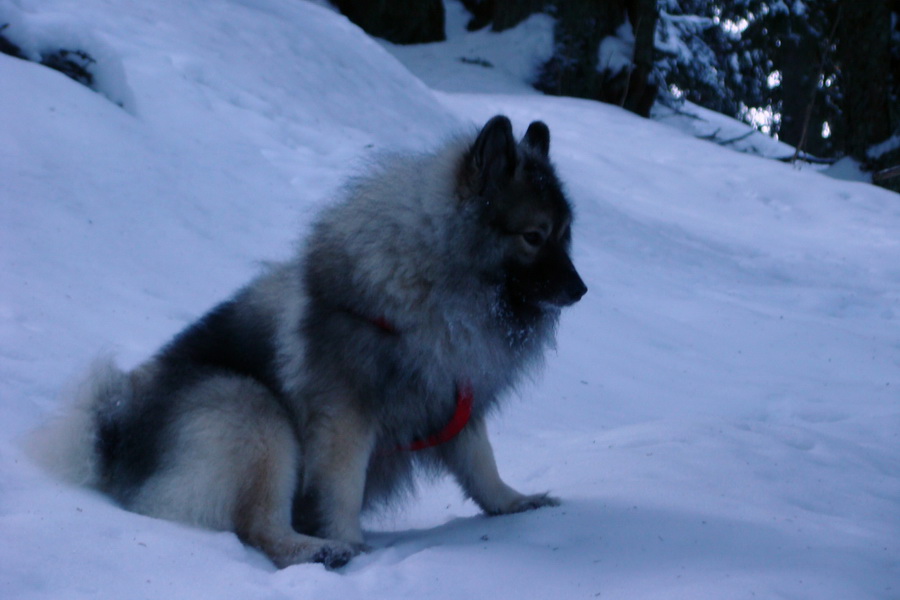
(316, 391)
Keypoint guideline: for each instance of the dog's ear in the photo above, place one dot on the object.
(538, 138)
(491, 160)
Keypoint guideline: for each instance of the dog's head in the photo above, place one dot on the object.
(522, 209)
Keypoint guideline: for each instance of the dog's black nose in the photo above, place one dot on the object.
(575, 289)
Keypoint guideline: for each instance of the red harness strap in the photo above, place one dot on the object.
(465, 397)
(384, 325)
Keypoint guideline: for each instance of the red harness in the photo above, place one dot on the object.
(465, 397)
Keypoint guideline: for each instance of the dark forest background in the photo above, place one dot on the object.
(821, 75)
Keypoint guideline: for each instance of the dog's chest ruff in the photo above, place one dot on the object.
(465, 398)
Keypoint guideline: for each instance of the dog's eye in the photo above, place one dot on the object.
(533, 238)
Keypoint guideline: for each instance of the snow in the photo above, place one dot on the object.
(889, 145)
(488, 61)
(43, 33)
(721, 416)
(847, 168)
(669, 39)
(716, 127)
(616, 52)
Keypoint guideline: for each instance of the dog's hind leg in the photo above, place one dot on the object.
(233, 465)
(339, 446)
(262, 513)
(263, 519)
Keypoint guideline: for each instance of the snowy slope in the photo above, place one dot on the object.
(721, 417)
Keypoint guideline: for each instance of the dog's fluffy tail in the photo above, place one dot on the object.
(67, 445)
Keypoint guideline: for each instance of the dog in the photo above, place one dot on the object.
(319, 390)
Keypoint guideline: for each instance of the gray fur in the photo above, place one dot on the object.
(281, 414)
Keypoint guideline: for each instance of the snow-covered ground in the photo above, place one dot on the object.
(721, 417)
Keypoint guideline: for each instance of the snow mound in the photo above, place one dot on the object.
(69, 44)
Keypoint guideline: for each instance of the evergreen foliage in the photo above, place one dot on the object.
(825, 72)
(821, 75)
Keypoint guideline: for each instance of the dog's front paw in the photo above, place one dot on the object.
(523, 503)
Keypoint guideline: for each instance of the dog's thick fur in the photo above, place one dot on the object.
(285, 411)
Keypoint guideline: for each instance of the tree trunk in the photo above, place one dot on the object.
(509, 13)
(864, 32)
(799, 59)
(642, 88)
(397, 21)
(574, 70)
